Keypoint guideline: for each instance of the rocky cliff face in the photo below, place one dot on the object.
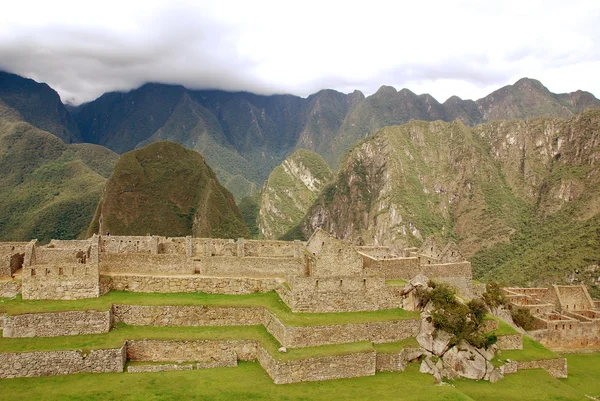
(244, 136)
(517, 196)
(290, 190)
(166, 189)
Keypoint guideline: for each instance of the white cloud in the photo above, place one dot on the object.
(467, 48)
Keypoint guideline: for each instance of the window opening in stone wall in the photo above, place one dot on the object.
(316, 283)
(33, 272)
(563, 326)
(340, 283)
(47, 271)
(570, 326)
(556, 327)
(60, 271)
(364, 282)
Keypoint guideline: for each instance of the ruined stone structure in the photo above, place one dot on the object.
(565, 316)
(322, 275)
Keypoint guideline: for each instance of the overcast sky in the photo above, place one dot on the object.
(466, 48)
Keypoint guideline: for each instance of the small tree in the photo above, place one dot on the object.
(523, 318)
(462, 321)
(493, 296)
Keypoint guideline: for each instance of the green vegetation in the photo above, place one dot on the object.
(462, 321)
(269, 300)
(250, 382)
(289, 191)
(50, 190)
(392, 348)
(166, 189)
(249, 207)
(532, 351)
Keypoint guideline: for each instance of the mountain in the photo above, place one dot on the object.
(38, 105)
(245, 136)
(49, 189)
(521, 198)
(289, 191)
(166, 189)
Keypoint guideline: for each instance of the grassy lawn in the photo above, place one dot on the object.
(532, 351)
(392, 348)
(250, 382)
(584, 373)
(270, 300)
(504, 329)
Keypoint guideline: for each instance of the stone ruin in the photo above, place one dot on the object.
(323, 274)
(565, 316)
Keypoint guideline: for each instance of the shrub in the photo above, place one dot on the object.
(462, 321)
(523, 318)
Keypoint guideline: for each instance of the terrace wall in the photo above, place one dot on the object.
(316, 369)
(50, 363)
(209, 285)
(137, 315)
(68, 323)
(199, 350)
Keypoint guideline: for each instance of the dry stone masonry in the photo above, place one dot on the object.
(323, 274)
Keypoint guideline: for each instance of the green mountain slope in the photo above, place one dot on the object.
(49, 189)
(244, 136)
(289, 192)
(165, 189)
(521, 198)
(39, 105)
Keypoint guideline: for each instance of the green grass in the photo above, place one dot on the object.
(398, 282)
(532, 351)
(392, 348)
(504, 329)
(270, 300)
(250, 382)
(584, 373)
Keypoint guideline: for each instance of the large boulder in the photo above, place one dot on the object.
(433, 341)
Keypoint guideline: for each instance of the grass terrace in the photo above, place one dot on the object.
(250, 382)
(270, 300)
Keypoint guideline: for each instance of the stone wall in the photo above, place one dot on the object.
(50, 363)
(233, 266)
(275, 327)
(273, 249)
(574, 298)
(556, 367)
(339, 294)
(10, 289)
(397, 361)
(569, 333)
(333, 257)
(65, 281)
(136, 315)
(209, 285)
(158, 368)
(11, 257)
(199, 350)
(69, 323)
(377, 332)
(145, 263)
(510, 342)
(316, 369)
